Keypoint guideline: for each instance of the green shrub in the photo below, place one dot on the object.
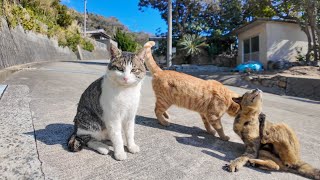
(73, 40)
(125, 41)
(64, 18)
(87, 45)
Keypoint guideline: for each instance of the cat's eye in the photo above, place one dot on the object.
(134, 70)
(119, 68)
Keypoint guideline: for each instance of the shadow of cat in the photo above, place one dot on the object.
(54, 134)
(211, 145)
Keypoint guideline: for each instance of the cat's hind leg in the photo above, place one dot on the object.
(207, 125)
(98, 146)
(265, 164)
(160, 110)
(215, 121)
(166, 115)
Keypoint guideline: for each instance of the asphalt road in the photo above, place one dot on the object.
(37, 110)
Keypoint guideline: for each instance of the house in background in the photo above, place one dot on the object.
(270, 40)
(100, 35)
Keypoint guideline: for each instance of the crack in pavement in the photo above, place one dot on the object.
(36, 143)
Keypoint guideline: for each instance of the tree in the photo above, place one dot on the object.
(192, 45)
(188, 17)
(125, 41)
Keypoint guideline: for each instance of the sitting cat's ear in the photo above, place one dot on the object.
(142, 54)
(237, 100)
(115, 52)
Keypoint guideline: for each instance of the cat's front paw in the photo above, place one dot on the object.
(225, 138)
(134, 148)
(120, 156)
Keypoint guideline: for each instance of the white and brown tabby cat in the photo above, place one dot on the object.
(109, 105)
(209, 98)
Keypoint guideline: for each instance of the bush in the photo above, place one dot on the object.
(73, 40)
(125, 41)
(87, 45)
(64, 18)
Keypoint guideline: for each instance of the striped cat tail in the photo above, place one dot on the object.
(150, 62)
(306, 170)
(74, 144)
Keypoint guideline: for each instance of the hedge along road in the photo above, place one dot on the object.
(40, 104)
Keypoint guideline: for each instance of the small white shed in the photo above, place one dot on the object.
(268, 39)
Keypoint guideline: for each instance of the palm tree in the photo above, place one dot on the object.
(192, 45)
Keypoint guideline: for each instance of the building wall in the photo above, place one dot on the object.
(260, 31)
(283, 39)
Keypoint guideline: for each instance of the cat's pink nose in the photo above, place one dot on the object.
(125, 79)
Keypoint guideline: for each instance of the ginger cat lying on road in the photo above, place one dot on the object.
(285, 152)
(209, 98)
(270, 146)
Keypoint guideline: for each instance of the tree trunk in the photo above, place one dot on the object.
(311, 15)
(307, 31)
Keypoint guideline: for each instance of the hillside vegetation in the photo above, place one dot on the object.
(48, 17)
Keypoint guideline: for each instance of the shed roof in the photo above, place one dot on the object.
(99, 32)
(257, 22)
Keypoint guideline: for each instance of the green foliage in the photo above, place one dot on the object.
(47, 17)
(192, 44)
(87, 45)
(64, 18)
(189, 16)
(125, 41)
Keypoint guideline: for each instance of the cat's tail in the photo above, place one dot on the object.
(306, 170)
(150, 62)
(74, 143)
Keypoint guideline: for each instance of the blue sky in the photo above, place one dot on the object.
(126, 11)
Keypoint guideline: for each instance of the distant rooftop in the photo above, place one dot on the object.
(98, 34)
(258, 21)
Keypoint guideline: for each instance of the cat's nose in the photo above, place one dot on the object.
(125, 79)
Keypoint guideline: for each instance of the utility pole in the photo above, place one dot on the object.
(85, 19)
(169, 36)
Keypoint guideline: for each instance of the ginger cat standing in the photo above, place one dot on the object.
(209, 98)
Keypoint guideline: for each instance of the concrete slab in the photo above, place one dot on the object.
(182, 151)
(18, 152)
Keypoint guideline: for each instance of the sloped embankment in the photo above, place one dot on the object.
(20, 47)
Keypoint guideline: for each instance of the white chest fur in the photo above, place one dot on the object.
(119, 102)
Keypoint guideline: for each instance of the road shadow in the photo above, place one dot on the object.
(54, 134)
(89, 62)
(226, 150)
(210, 145)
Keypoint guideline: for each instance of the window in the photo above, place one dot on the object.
(255, 44)
(246, 44)
(251, 49)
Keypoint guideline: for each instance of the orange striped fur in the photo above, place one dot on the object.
(209, 98)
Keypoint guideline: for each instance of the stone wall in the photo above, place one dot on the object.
(101, 51)
(20, 47)
(287, 85)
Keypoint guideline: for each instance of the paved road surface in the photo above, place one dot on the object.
(40, 104)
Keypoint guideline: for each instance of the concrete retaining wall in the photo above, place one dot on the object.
(20, 47)
(101, 51)
(305, 87)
